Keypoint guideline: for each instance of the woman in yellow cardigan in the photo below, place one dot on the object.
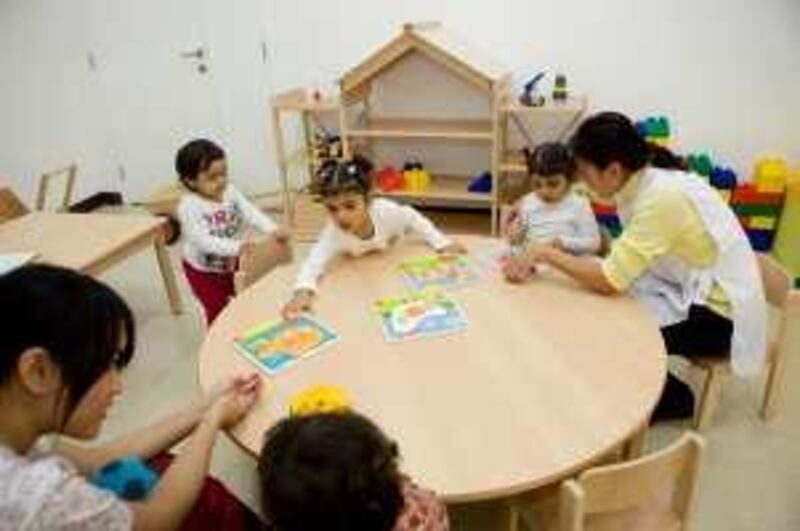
(682, 252)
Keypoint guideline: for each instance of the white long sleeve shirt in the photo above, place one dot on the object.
(213, 230)
(571, 220)
(391, 221)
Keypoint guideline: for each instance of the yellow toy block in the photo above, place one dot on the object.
(417, 180)
(771, 174)
(763, 222)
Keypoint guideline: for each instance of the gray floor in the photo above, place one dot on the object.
(750, 479)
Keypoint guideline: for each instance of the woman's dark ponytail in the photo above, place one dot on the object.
(661, 157)
(609, 137)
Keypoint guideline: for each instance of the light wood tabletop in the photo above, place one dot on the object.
(90, 243)
(546, 378)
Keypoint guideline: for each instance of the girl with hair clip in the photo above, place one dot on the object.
(357, 224)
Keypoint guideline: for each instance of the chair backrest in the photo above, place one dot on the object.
(55, 189)
(631, 485)
(263, 257)
(10, 205)
(776, 279)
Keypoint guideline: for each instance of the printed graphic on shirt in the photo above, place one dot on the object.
(224, 223)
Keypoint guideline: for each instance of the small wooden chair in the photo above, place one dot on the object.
(652, 493)
(63, 176)
(785, 299)
(262, 258)
(10, 205)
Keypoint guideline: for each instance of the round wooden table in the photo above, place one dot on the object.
(546, 378)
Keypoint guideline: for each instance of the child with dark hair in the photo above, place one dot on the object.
(65, 339)
(357, 224)
(339, 472)
(214, 217)
(551, 213)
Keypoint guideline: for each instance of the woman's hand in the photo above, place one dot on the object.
(539, 253)
(301, 302)
(234, 400)
(282, 235)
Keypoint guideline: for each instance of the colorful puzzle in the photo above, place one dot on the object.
(277, 345)
(426, 313)
(440, 271)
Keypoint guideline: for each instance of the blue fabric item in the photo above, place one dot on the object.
(129, 478)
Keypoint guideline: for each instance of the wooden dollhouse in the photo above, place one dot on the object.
(430, 96)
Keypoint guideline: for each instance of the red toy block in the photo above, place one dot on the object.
(603, 210)
(748, 195)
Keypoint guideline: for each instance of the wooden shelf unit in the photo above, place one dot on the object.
(444, 190)
(363, 129)
(424, 128)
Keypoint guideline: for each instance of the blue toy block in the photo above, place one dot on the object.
(761, 240)
(722, 178)
(481, 184)
(129, 478)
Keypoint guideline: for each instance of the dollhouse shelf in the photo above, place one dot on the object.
(480, 130)
(367, 118)
(444, 190)
(513, 162)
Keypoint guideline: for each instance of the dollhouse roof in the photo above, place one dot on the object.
(438, 44)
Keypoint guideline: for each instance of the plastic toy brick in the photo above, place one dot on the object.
(756, 210)
(763, 223)
(761, 240)
(747, 195)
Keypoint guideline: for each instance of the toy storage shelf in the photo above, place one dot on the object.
(571, 106)
(513, 162)
(479, 130)
(444, 190)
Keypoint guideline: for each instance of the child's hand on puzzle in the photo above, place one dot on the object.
(234, 400)
(300, 303)
(517, 269)
(453, 248)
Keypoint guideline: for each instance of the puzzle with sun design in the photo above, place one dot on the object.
(428, 313)
(277, 345)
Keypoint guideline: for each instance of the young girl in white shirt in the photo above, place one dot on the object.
(214, 217)
(357, 224)
(551, 213)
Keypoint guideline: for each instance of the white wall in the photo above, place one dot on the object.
(46, 98)
(727, 72)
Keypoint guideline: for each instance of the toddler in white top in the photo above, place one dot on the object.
(551, 213)
(214, 217)
(357, 224)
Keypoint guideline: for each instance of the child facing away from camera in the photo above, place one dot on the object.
(339, 472)
(357, 224)
(214, 217)
(551, 213)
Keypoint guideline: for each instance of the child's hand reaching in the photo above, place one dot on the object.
(453, 248)
(301, 302)
(234, 400)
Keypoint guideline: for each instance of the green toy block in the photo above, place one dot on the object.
(772, 211)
